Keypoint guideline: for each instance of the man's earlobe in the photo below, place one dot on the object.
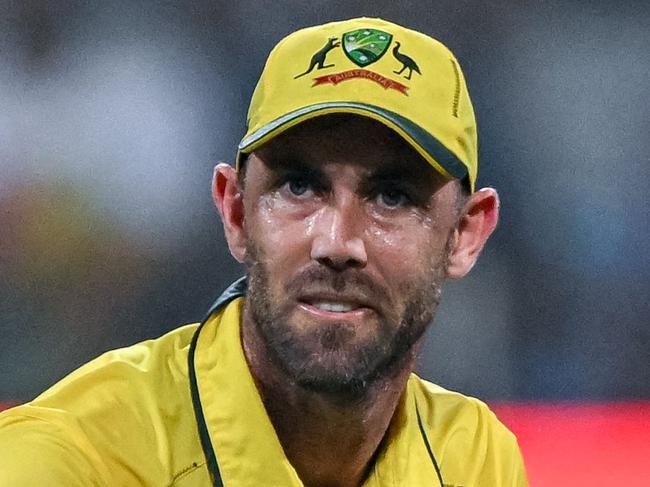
(229, 201)
(477, 222)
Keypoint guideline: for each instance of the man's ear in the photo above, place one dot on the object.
(229, 201)
(477, 222)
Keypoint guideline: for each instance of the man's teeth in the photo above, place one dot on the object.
(334, 307)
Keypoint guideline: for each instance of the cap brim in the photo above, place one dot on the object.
(423, 142)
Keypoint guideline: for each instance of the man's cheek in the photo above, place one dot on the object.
(275, 233)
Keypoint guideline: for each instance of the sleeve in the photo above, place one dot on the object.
(518, 475)
(502, 461)
(34, 451)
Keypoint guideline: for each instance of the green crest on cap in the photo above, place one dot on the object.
(365, 46)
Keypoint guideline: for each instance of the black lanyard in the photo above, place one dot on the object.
(237, 289)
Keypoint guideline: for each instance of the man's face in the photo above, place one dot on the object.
(347, 230)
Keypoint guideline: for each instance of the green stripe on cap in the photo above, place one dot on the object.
(443, 156)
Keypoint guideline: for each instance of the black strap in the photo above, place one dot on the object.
(428, 445)
(237, 289)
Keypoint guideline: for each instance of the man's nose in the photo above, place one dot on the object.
(337, 242)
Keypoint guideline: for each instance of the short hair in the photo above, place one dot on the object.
(242, 163)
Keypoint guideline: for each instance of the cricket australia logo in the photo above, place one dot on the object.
(365, 46)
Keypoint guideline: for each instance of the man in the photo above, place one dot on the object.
(352, 201)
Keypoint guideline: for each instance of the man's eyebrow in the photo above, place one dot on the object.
(283, 166)
(286, 163)
(393, 173)
(297, 166)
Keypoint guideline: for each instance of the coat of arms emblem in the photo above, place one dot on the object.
(365, 46)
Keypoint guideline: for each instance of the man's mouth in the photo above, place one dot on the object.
(334, 307)
(328, 304)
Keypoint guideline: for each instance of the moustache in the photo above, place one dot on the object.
(350, 283)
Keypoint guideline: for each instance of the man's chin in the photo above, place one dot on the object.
(337, 373)
(332, 367)
(347, 389)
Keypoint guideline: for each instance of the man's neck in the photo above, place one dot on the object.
(330, 442)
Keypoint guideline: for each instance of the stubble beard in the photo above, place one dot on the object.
(323, 361)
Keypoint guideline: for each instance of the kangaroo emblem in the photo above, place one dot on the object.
(318, 59)
(407, 62)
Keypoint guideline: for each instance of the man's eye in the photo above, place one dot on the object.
(297, 187)
(392, 198)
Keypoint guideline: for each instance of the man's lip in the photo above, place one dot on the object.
(338, 315)
(355, 302)
(360, 305)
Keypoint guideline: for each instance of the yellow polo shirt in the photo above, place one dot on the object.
(183, 410)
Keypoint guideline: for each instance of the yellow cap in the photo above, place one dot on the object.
(374, 68)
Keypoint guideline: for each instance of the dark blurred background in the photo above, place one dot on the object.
(113, 114)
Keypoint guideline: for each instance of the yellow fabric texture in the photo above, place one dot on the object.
(126, 418)
(434, 98)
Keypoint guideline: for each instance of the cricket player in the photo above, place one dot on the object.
(351, 201)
